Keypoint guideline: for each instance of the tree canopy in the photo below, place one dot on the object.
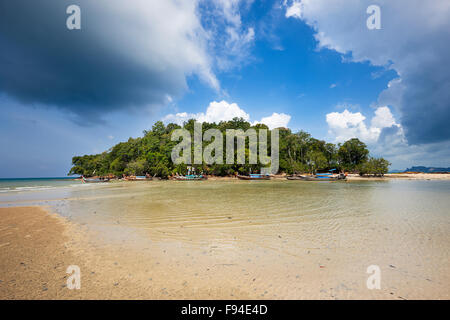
(299, 152)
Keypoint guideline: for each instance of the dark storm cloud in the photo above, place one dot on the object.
(115, 61)
(426, 103)
(413, 40)
(422, 93)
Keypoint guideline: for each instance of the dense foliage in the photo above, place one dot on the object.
(375, 166)
(299, 152)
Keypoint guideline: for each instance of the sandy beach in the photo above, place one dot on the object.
(37, 247)
(35, 251)
(404, 176)
(150, 249)
(388, 176)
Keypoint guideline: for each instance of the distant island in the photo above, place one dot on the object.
(422, 169)
(427, 169)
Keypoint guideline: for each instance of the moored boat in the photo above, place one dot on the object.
(318, 177)
(139, 178)
(190, 177)
(253, 176)
(94, 180)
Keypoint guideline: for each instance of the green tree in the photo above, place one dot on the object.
(352, 154)
(375, 166)
(316, 160)
(299, 152)
(137, 167)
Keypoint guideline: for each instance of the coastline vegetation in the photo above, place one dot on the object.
(299, 153)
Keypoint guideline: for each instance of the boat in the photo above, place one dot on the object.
(295, 177)
(139, 178)
(319, 177)
(190, 177)
(313, 178)
(94, 180)
(142, 178)
(253, 176)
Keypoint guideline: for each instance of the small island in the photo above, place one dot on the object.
(299, 152)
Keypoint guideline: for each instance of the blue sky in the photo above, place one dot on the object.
(307, 65)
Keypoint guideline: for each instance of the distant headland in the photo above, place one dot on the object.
(423, 169)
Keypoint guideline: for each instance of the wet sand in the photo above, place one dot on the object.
(35, 251)
(36, 248)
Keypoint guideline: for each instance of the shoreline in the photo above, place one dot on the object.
(357, 177)
(350, 177)
(403, 176)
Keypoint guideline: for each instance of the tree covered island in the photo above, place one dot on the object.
(299, 153)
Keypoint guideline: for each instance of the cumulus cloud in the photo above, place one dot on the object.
(385, 137)
(346, 125)
(224, 111)
(412, 41)
(276, 120)
(125, 55)
(216, 112)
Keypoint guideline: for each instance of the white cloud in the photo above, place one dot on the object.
(383, 118)
(224, 111)
(276, 120)
(232, 39)
(412, 41)
(156, 30)
(294, 10)
(179, 117)
(216, 112)
(346, 125)
(385, 137)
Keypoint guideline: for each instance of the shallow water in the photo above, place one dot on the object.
(325, 234)
(35, 184)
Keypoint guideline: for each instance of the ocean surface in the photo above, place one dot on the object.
(327, 233)
(35, 184)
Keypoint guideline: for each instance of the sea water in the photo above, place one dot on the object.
(314, 238)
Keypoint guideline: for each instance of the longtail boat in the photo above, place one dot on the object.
(254, 177)
(139, 178)
(190, 177)
(94, 180)
(318, 177)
